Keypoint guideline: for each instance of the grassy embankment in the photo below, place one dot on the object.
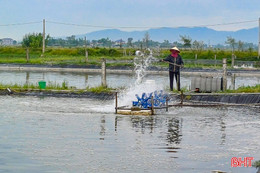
(76, 56)
(99, 89)
(55, 87)
(245, 89)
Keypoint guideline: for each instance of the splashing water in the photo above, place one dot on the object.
(141, 62)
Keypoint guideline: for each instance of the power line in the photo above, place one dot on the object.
(231, 23)
(13, 24)
(96, 26)
(129, 27)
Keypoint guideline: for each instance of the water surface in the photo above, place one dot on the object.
(83, 80)
(84, 135)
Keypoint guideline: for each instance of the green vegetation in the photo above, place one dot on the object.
(100, 89)
(245, 89)
(30, 86)
(33, 40)
(76, 56)
(54, 86)
(256, 164)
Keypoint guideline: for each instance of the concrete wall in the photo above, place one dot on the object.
(225, 98)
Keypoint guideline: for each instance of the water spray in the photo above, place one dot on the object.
(141, 62)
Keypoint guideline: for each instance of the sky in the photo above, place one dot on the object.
(17, 17)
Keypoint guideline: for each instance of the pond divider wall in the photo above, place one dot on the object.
(125, 70)
(236, 98)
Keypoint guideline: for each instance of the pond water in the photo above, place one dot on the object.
(84, 135)
(82, 80)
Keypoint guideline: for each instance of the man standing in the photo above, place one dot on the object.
(175, 62)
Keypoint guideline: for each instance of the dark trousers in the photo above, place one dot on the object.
(177, 78)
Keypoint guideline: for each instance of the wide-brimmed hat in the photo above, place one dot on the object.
(175, 48)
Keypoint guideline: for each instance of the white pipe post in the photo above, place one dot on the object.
(224, 74)
(233, 60)
(43, 36)
(103, 66)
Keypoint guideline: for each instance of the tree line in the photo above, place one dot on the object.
(34, 40)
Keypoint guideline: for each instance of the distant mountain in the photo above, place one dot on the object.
(173, 34)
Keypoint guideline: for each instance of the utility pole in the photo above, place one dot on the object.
(43, 36)
(259, 39)
(86, 52)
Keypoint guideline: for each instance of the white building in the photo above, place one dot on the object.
(6, 41)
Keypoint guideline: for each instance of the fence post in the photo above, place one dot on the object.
(215, 58)
(233, 81)
(167, 104)
(196, 58)
(27, 55)
(233, 61)
(224, 74)
(116, 103)
(152, 108)
(182, 97)
(27, 78)
(103, 72)
(86, 52)
(86, 55)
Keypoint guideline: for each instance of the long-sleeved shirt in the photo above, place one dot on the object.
(178, 60)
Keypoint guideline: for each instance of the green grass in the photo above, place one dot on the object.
(55, 86)
(31, 86)
(256, 164)
(245, 89)
(76, 56)
(99, 89)
(61, 60)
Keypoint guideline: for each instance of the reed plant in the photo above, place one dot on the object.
(99, 89)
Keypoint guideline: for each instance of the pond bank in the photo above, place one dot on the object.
(229, 98)
(59, 93)
(127, 70)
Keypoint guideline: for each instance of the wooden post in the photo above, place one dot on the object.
(233, 61)
(27, 78)
(233, 81)
(86, 52)
(196, 58)
(116, 103)
(181, 97)
(27, 55)
(43, 36)
(167, 104)
(86, 55)
(215, 58)
(152, 109)
(224, 74)
(103, 71)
